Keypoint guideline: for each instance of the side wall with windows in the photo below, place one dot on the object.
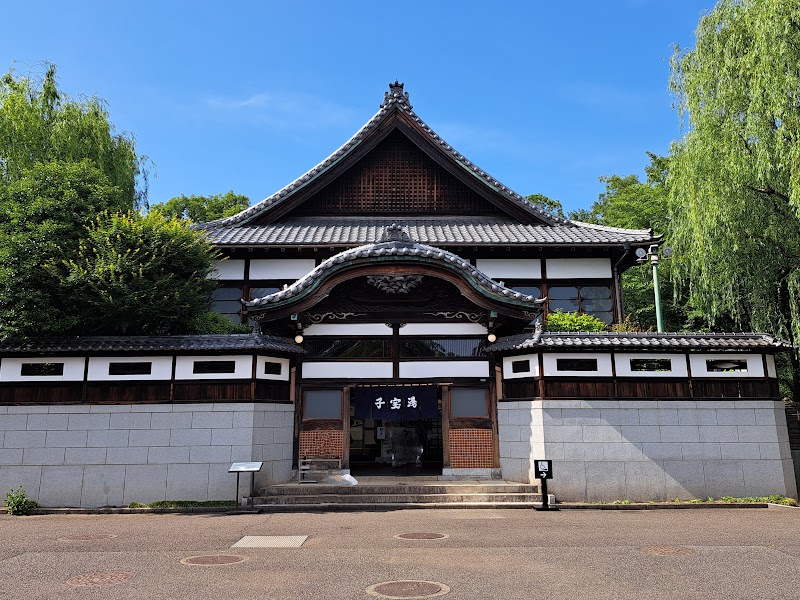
(724, 434)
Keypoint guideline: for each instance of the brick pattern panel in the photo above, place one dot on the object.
(471, 449)
(321, 444)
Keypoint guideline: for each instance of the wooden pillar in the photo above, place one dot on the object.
(446, 426)
(346, 427)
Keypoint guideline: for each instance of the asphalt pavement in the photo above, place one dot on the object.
(483, 554)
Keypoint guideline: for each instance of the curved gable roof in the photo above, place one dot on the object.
(396, 106)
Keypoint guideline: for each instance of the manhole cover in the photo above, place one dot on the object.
(668, 550)
(100, 579)
(214, 559)
(408, 589)
(87, 537)
(424, 535)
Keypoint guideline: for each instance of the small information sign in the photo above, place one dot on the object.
(544, 469)
(246, 467)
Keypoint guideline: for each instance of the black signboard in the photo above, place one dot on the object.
(544, 469)
(396, 403)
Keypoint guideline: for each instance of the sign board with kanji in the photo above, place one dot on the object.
(396, 403)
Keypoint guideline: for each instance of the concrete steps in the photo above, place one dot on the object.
(327, 497)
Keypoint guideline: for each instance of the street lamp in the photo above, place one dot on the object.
(652, 255)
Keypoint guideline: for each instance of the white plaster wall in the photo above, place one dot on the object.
(533, 363)
(550, 363)
(11, 369)
(184, 367)
(228, 269)
(510, 268)
(287, 268)
(443, 368)
(261, 366)
(755, 366)
(344, 369)
(650, 450)
(622, 361)
(99, 455)
(345, 330)
(160, 368)
(578, 268)
(428, 329)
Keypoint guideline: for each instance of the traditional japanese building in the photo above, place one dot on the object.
(397, 291)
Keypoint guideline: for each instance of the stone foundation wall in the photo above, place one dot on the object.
(605, 450)
(99, 455)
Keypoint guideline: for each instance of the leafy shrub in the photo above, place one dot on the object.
(18, 502)
(572, 321)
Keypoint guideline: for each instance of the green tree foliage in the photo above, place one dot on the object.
(545, 203)
(572, 321)
(735, 174)
(202, 209)
(139, 275)
(41, 124)
(43, 215)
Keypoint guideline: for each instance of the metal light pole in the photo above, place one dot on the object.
(654, 258)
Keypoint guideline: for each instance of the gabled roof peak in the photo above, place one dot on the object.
(396, 96)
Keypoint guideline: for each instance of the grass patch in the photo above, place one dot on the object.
(183, 504)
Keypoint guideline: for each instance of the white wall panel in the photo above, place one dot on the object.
(428, 329)
(342, 370)
(345, 329)
(276, 268)
(623, 364)
(772, 371)
(755, 366)
(10, 369)
(228, 269)
(184, 366)
(510, 268)
(533, 361)
(282, 376)
(444, 368)
(578, 268)
(603, 364)
(161, 367)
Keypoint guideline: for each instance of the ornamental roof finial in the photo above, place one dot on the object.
(396, 95)
(394, 233)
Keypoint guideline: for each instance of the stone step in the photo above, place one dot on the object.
(395, 498)
(312, 489)
(363, 507)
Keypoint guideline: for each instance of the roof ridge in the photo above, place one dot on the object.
(608, 228)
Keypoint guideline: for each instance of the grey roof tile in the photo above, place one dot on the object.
(644, 341)
(123, 344)
(470, 230)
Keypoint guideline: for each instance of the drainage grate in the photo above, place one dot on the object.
(408, 589)
(87, 537)
(214, 559)
(100, 579)
(421, 536)
(271, 541)
(668, 550)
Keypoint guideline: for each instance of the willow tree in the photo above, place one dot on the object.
(735, 174)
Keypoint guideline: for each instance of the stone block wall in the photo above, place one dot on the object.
(605, 450)
(111, 455)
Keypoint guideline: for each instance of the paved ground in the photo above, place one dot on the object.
(504, 554)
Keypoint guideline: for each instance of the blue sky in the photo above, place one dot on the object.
(545, 96)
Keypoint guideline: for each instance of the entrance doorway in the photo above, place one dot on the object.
(382, 443)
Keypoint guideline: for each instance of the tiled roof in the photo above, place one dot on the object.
(184, 343)
(636, 341)
(397, 246)
(471, 230)
(397, 100)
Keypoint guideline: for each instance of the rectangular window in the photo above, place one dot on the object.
(42, 369)
(322, 404)
(226, 302)
(130, 368)
(651, 364)
(272, 368)
(520, 366)
(726, 366)
(576, 364)
(443, 348)
(469, 402)
(347, 348)
(204, 367)
(592, 300)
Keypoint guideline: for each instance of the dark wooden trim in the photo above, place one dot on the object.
(494, 391)
(445, 426)
(346, 427)
(541, 375)
(689, 374)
